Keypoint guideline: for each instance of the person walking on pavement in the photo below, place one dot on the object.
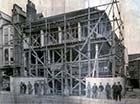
(101, 89)
(118, 92)
(94, 91)
(114, 91)
(108, 91)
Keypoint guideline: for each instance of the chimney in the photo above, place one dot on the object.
(31, 11)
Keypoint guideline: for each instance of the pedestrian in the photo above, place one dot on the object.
(108, 91)
(118, 92)
(101, 89)
(21, 87)
(24, 88)
(42, 85)
(40, 88)
(30, 88)
(94, 91)
(88, 90)
(114, 91)
(36, 87)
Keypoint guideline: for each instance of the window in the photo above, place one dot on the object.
(11, 30)
(41, 72)
(11, 34)
(8, 33)
(6, 56)
(11, 56)
(6, 36)
(11, 39)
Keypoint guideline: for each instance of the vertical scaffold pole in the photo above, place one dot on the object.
(113, 42)
(30, 34)
(46, 53)
(65, 52)
(89, 45)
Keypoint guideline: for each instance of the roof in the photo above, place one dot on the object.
(18, 10)
(134, 57)
(137, 59)
(74, 16)
(4, 16)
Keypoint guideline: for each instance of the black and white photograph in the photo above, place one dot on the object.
(69, 51)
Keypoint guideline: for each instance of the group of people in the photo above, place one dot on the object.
(117, 90)
(107, 91)
(38, 88)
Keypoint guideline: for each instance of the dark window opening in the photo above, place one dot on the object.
(41, 72)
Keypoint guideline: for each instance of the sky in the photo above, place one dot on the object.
(131, 19)
(6, 5)
(48, 7)
(130, 10)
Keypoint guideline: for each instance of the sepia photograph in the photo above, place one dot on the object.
(69, 51)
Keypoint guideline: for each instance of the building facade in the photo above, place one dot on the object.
(6, 49)
(8, 32)
(6, 36)
(67, 48)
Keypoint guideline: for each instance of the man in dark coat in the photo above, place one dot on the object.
(21, 88)
(108, 91)
(118, 92)
(114, 91)
(94, 91)
(36, 87)
(24, 88)
(101, 89)
(30, 88)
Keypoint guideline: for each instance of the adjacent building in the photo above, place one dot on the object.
(134, 70)
(6, 46)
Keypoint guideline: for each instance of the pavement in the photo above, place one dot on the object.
(131, 97)
(135, 94)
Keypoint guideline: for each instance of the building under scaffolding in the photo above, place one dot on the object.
(69, 47)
